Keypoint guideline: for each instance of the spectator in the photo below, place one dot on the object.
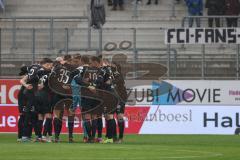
(139, 1)
(136, 2)
(215, 8)
(98, 15)
(232, 9)
(110, 3)
(2, 4)
(150, 2)
(195, 8)
(116, 3)
(177, 1)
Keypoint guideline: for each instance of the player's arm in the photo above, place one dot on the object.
(41, 74)
(78, 75)
(100, 78)
(74, 73)
(23, 82)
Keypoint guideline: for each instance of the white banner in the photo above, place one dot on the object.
(191, 120)
(190, 92)
(202, 36)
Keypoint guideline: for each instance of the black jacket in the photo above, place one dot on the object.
(215, 7)
(98, 15)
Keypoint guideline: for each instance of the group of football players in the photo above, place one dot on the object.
(51, 88)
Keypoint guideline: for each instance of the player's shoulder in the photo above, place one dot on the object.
(108, 69)
(57, 64)
(93, 69)
(42, 72)
(34, 69)
(104, 68)
(35, 66)
(86, 68)
(81, 68)
(69, 67)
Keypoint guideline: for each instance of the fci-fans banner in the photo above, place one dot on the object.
(202, 36)
(166, 107)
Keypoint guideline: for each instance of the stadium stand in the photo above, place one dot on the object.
(150, 21)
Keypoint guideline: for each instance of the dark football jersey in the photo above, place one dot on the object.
(33, 74)
(60, 77)
(104, 80)
(86, 75)
(78, 74)
(119, 84)
(92, 75)
(43, 77)
(63, 73)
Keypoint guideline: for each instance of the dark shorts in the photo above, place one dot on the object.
(88, 105)
(30, 100)
(57, 98)
(43, 102)
(22, 101)
(120, 108)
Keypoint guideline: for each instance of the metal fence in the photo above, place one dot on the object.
(135, 9)
(15, 23)
(231, 57)
(204, 20)
(2, 5)
(25, 45)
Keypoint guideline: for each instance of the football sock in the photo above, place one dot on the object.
(34, 122)
(110, 128)
(94, 128)
(70, 129)
(45, 130)
(40, 125)
(47, 126)
(84, 129)
(27, 126)
(88, 128)
(20, 126)
(99, 127)
(57, 127)
(114, 129)
(50, 127)
(121, 128)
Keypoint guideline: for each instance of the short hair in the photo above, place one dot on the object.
(95, 59)
(56, 63)
(100, 56)
(85, 59)
(59, 59)
(23, 70)
(77, 56)
(46, 60)
(106, 60)
(67, 57)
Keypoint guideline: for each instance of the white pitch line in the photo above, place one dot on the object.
(211, 154)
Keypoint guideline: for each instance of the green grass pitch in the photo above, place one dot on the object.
(135, 147)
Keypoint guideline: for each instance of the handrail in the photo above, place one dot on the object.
(46, 17)
(201, 17)
(51, 21)
(135, 9)
(171, 57)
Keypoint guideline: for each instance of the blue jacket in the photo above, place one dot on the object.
(195, 7)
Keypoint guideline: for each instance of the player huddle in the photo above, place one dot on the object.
(51, 89)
